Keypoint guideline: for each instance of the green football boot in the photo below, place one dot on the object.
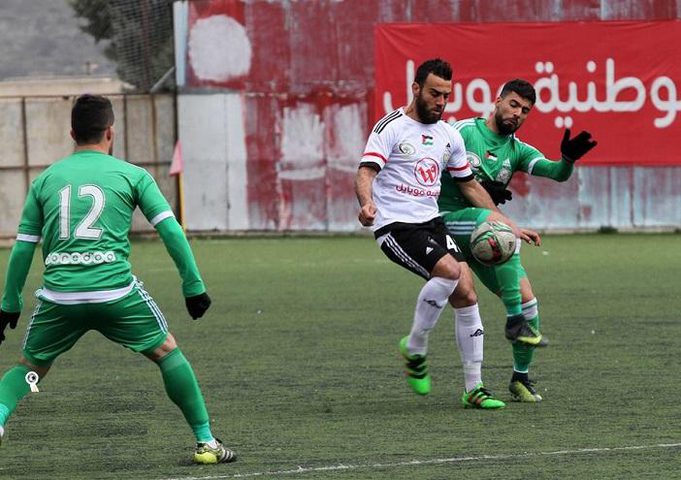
(522, 390)
(480, 397)
(416, 370)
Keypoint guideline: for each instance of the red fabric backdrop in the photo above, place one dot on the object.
(628, 96)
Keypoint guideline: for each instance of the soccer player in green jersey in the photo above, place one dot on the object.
(81, 207)
(495, 154)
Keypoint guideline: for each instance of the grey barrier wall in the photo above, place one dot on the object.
(223, 188)
(34, 133)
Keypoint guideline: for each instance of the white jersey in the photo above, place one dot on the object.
(410, 156)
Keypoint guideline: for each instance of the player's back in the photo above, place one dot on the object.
(86, 202)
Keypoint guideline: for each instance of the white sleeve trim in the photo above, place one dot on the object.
(160, 217)
(532, 163)
(28, 238)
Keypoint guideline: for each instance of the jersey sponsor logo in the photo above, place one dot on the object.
(406, 148)
(427, 172)
(417, 192)
(80, 258)
(426, 139)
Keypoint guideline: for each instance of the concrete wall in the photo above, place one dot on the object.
(275, 124)
(310, 186)
(34, 133)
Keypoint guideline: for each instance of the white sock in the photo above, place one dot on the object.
(432, 299)
(530, 309)
(213, 443)
(470, 339)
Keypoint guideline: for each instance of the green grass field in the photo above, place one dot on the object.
(299, 366)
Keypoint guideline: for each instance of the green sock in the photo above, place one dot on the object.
(524, 354)
(13, 387)
(522, 357)
(183, 389)
(508, 278)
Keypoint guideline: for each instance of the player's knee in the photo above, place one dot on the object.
(447, 267)
(40, 370)
(464, 295)
(164, 349)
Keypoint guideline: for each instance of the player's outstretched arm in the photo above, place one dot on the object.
(17, 270)
(571, 149)
(193, 288)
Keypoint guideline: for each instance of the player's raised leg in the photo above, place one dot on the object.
(422, 249)
(431, 301)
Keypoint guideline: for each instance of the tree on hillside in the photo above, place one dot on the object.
(138, 36)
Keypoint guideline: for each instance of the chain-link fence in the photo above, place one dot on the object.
(138, 35)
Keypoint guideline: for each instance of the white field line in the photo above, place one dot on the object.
(434, 461)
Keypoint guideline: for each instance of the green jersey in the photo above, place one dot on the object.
(82, 208)
(496, 157)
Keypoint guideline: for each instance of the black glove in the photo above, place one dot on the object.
(7, 318)
(197, 305)
(497, 190)
(575, 148)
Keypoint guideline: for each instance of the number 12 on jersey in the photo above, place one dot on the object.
(84, 230)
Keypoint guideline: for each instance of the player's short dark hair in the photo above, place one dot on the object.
(522, 87)
(91, 115)
(436, 66)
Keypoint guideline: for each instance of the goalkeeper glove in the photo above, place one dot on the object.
(575, 148)
(197, 305)
(497, 190)
(7, 318)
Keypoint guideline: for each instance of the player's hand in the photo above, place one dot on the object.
(497, 216)
(575, 148)
(497, 190)
(367, 214)
(530, 236)
(197, 305)
(7, 318)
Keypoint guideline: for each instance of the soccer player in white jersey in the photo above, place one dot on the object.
(397, 185)
(82, 208)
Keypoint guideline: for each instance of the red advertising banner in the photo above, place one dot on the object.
(619, 80)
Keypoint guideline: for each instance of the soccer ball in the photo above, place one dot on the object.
(492, 243)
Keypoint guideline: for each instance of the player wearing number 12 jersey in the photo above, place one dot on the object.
(397, 185)
(81, 207)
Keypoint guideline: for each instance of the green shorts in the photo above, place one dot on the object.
(134, 321)
(460, 225)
